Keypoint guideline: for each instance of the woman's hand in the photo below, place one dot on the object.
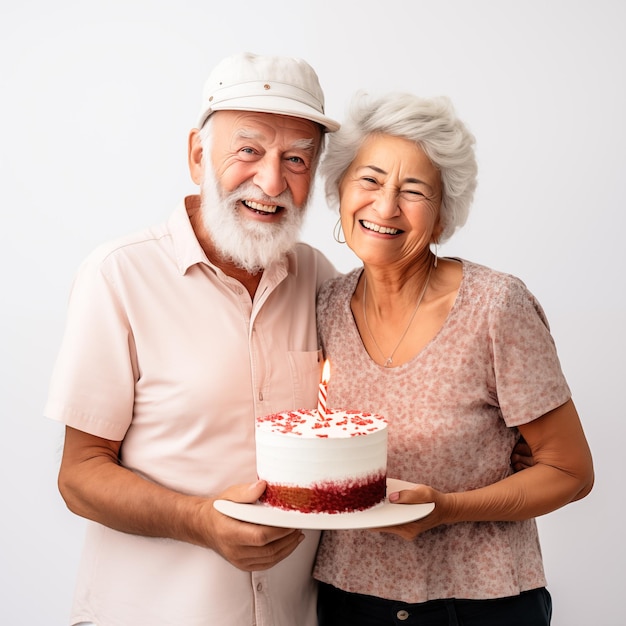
(420, 494)
(562, 472)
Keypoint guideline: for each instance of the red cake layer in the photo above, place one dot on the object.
(328, 497)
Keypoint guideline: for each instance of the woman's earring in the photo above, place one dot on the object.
(436, 254)
(337, 232)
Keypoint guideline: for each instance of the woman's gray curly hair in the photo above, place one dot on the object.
(429, 122)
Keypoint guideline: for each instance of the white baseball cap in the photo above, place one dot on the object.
(267, 84)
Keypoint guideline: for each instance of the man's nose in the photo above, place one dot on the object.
(269, 176)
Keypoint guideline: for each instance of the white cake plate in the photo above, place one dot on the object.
(383, 514)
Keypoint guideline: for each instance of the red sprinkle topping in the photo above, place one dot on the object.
(291, 422)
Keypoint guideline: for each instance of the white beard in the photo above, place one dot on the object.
(250, 245)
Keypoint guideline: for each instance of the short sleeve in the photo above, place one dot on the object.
(92, 385)
(528, 374)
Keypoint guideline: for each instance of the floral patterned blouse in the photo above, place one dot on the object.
(452, 411)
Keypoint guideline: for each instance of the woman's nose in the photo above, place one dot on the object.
(386, 203)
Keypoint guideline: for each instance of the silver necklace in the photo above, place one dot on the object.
(388, 361)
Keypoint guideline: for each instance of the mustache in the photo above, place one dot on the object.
(248, 191)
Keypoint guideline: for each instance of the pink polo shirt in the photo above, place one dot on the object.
(165, 351)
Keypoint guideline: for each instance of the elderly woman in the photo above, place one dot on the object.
(460, 359)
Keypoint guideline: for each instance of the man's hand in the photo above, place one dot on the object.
(249, 547)
(522, 456)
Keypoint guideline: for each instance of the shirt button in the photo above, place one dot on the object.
(259, 587)
(402, 615)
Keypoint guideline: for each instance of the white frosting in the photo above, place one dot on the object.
(298, 449)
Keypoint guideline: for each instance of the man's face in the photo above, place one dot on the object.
(256, 184)
(275, 152)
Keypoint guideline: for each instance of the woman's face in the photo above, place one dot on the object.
(390, 197)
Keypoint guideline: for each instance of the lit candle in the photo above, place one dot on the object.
(323, 390)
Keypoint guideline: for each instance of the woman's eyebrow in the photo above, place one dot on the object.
(379, 170)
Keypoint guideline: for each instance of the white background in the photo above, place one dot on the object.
(97, 100)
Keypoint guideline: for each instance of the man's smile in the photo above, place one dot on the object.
(258, 207)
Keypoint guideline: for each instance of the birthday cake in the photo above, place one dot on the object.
(330, 463)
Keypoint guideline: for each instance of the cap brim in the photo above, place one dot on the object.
(271, 104)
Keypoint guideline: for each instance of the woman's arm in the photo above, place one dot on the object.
(562, 472)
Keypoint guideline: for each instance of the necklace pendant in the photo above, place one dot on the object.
(389, 360)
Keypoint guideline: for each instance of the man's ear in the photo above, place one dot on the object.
(195, 156)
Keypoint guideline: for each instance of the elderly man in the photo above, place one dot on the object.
(176, 339)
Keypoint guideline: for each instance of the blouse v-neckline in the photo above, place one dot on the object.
(452, 313)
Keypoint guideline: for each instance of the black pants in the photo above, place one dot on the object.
(340, 608)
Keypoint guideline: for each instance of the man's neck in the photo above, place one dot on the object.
(249, 281)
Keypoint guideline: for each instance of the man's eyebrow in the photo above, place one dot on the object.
(304, 144)
(244, 133)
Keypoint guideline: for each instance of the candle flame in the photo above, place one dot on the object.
(326, 372)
